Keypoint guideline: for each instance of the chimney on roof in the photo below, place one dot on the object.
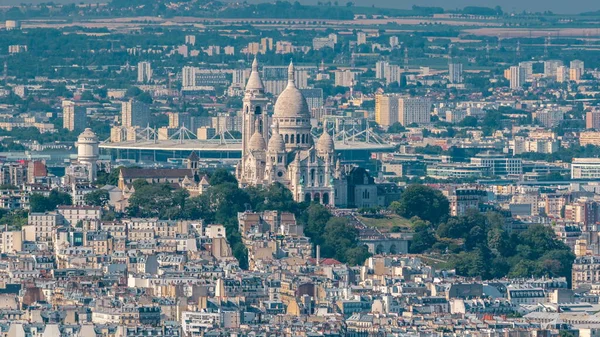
(318, 255)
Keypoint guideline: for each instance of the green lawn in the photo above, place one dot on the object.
(385, 223)
(435, 262)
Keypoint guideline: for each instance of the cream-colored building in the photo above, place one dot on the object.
(11, 242)
(386, 109)
(589, 138)
(291, 157)
(73, 116)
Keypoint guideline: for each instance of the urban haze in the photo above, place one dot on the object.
(195, 168)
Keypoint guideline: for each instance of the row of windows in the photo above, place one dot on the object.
(299, 139)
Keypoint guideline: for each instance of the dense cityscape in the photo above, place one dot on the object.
(192, 168)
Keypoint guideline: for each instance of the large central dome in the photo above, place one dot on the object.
(291, 102)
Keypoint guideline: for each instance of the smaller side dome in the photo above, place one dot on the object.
(257, 141)
(325, 143)
(276, 143)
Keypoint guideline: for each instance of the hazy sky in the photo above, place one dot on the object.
(558, 6)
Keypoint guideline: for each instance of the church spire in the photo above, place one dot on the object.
(255, 64)
(291, 75)
(254, 81)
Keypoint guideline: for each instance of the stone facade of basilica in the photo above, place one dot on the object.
(290, 156)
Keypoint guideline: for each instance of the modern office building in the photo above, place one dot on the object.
(517, 77)
(575, 74)
(345, 78)
(275, 79)
(179, 119)
(323, 42)
(391, 73)
(498, 164)
(577, 64)
(585, 168)
(134, 113)
(455, 73)
(592, 120)
(528, 66)
(386, 109)
(550, 67)
(188, 76)
(314, 98)
(380, 69)
(74, 116)
(209, 78)
(550, 117)
(144, 70)
(240, 76)
(562, 74)
(190, 39)
(361, 38)
(414, 110)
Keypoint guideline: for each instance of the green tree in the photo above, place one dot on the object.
(39, 203)
(424, 202)
(423, 238)
(156, 200)
(396, 128)
(357, 255)
(476, 238)
(315, 220)
(468, 121)
(97, 198)
(499, 241)
(221, 176)
(14, 219)
(273, 197)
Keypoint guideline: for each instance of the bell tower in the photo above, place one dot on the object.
(254, 108)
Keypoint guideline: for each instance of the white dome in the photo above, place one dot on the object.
(325, 143)
(291, 102)
(276, 143)
(87, 136)
(257, 142)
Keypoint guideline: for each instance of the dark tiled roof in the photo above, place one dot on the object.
(135, 173)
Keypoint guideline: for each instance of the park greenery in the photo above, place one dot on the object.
(97, 198)
(478, 244)
(224, 199)
(565, 154)
(40, 203)
(14, 219)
